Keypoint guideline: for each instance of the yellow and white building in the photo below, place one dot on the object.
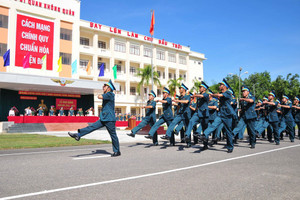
(87, 42)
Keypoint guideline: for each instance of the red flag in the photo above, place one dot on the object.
(26, 61)
(152, 24)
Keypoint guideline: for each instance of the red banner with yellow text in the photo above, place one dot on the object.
(49, 94)
(66, 104)
(35, 36)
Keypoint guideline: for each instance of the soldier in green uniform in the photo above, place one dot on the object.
(272, 117)
(166, 117)
(296, 113)
(149, 119)
(107, 119)
(286, 109)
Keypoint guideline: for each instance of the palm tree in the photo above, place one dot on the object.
(196, 86)
(173, 84)
(145, 75)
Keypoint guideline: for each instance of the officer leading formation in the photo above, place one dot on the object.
(206, 113)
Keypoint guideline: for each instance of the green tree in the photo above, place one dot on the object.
(259, 84)
(196, 86)
(214, 87)
(294, 85)
(146, 76)
(289, 85)
(233, 81)
(173, 84)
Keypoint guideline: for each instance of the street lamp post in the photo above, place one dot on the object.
(254, 88)
(246, 72)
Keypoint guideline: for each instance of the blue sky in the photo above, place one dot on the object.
(258, 35)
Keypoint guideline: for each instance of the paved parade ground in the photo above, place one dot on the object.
(152, 172)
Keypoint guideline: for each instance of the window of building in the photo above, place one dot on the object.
(133, 111)
(180, 76)
(135, 49)
(3, 49)
(101, 44)
(172, 57)
(174, 76)
(119, 68)
(119, 92)
(118, 111)
(182, 60)
(159, 112)
(99, 65)
(65, 34)
(158, 92)
(160, 55)
(3, 21)
(145, 90)
(158, 74)
(170, 75)
(132, 91)
(65, 58)
(147, 52)
(83, 63)
(120, 47)
(85, 41)
(132, 70)
(164, 75)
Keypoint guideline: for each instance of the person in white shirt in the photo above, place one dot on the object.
(90, 112)
(11, 112)
(28, 111)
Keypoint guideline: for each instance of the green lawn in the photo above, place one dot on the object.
(21, 141)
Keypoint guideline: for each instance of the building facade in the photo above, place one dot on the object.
(54, 28)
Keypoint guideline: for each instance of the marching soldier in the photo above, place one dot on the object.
(166, 117)
(272, 117)
(248, 115)
(107, 119)
(286, 107)
(259, 113)
(282, 124)
(149, 119)
(226, 115)
(212, 109)
(261, 129)
(296, 109)
(201, 114)
(233, 103)
(179, 127)
(183, 112)
(193, 107)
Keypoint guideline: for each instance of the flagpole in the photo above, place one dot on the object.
(152, 54)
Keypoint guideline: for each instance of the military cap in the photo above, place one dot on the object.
(152, 93)
(285, 96)
(166, 90)
(245, 88)
(111, 85)
(272, 93)
(203, 84)
(224, 82)
(184, 86)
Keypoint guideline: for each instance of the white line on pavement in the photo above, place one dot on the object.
(143, 176)
(91, 157)
(43, 152)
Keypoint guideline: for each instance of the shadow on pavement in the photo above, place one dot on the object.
(104, 152)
